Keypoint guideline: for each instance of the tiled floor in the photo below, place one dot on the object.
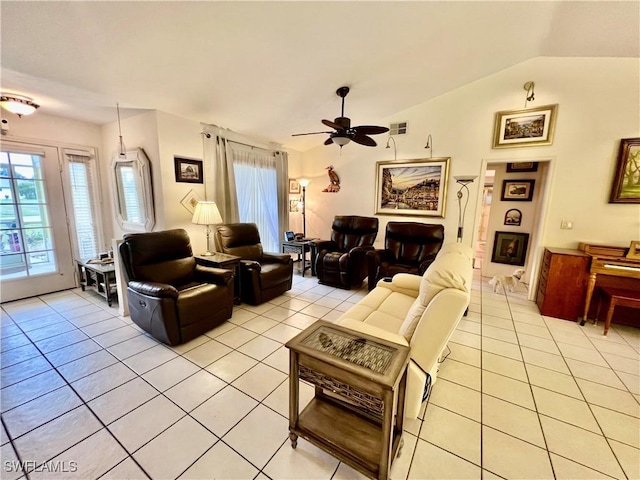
(86, 395)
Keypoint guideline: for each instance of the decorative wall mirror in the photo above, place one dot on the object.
(133, 191)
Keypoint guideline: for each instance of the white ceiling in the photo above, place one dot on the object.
(270, 69)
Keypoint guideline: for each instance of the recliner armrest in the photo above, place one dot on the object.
(154, 289)
(277, 258)
(382, 255)
(251, 265)
(328, 245)
(425, 264)
(357, 251)
(217, 276)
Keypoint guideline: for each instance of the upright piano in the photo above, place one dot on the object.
(608, 266)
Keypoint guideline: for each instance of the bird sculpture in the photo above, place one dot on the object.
(334, 181)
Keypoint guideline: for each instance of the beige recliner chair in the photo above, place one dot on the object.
(420, 312)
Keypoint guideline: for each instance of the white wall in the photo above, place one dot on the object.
(598, 102)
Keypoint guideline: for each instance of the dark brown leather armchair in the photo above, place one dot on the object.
(341, 261)
(409, 247)
(170, 295)
(263, 275)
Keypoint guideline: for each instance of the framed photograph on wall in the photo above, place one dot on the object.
(513, 217)
(190, 200)
(293, 206)
(412, 187)
(525, 128)
(517, 190)
(522, 167)
(188, 170)
(626, 180)
(294, 186)
(510, 248)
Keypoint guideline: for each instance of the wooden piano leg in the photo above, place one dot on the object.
(590, 286)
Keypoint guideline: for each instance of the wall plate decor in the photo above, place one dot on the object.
(188, 170)
(190, 200)
(525, 128)
(626, 180)
(510, 248)
(513, 217)
(517, 190)
(412, 187)
(522, 167)
(294, 186)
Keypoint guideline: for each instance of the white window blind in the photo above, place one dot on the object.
(83, 184)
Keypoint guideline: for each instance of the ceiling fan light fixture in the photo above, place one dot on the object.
(18, 104)
(340, 140)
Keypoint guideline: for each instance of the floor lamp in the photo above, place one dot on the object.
(304, 183)
(463, 180)
(207, 213)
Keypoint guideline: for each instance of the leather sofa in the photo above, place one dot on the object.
(341, 261)
(421, 312)
(263, 276)
(409, 247)
(170, 295)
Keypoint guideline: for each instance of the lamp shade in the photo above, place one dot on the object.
(206, 213)
(18, 104)
(340, 140)
(303, 182)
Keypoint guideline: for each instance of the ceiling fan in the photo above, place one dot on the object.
(343, 131)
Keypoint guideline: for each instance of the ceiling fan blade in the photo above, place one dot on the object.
(328, 141)
(364, 140)
(370, 129)
(310, 133)
(331, 124)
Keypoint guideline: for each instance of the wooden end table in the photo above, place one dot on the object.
(301, 247)
(357, 412)
(99, 276)
(228, 262)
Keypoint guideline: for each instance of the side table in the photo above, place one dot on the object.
(228, 262)
(99, 276)
(301, 247)
(357, 413)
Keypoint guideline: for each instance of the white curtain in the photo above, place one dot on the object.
(218, 154)
(282, 180)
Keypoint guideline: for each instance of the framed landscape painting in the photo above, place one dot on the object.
(517, 190)
(626, 180)
(510, 248)
(188, 170)
(412, 187)
(525, 128)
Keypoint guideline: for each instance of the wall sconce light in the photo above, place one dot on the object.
(429, 145)
(18, 104)
(122, 151)
(304, 183)
(463, 180)
(395, 151)
(207, 213)
(529, 86)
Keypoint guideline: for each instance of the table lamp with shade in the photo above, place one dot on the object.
(207, 213)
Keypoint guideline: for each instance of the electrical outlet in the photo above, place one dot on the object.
(566, 224)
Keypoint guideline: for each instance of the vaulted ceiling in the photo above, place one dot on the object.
(270, 69)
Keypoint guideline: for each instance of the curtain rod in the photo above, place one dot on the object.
(276, 146)
(250, 146)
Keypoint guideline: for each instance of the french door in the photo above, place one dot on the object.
(35, 248)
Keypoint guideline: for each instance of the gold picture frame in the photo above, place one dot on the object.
(626, 181)
(528, 127)
(634, 250)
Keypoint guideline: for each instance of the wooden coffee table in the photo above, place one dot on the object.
(357, 412)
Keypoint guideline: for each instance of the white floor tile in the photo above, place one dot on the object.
(565, 469)
(170, 373)
(608, 397)
(126, 469)
(618, 426)
(452, 432)
(121, 400)
(231, 366)
(222, 411)
(195, 390)
(306, 461)
(504, 366)
(512, 419)
(31, 388)
(458, 399)
(259, 381)
(507, 389)
(220, 462)
(208, 352)
(259, 348)
(629, 458)
(554, 381)
(433, 463)
(102, 381)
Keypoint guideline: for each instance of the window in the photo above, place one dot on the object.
(255, 173)
(83, 181)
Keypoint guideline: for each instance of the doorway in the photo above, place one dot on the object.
(511, 210)
(35, 247)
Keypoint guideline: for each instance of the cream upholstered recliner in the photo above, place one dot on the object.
(420, 312)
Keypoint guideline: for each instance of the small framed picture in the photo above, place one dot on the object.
(522, 167)
(188, 170)
(513, 217)
(525, 128)
(517, 190)
(288, 236)
(190, 200)
(294, 186)
(293, 206)
(510, 248)
(634, 250)
(626, 187)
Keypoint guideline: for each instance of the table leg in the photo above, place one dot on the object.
(607, 322)
(587, 303)
(388, 398)
(293, 397)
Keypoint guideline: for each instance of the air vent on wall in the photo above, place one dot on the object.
(399, 128)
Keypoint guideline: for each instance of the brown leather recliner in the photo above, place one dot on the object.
(341, 261)
(263, 275)
(170, 295)
(409, 247)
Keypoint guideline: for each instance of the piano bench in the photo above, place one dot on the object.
(613, 297)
